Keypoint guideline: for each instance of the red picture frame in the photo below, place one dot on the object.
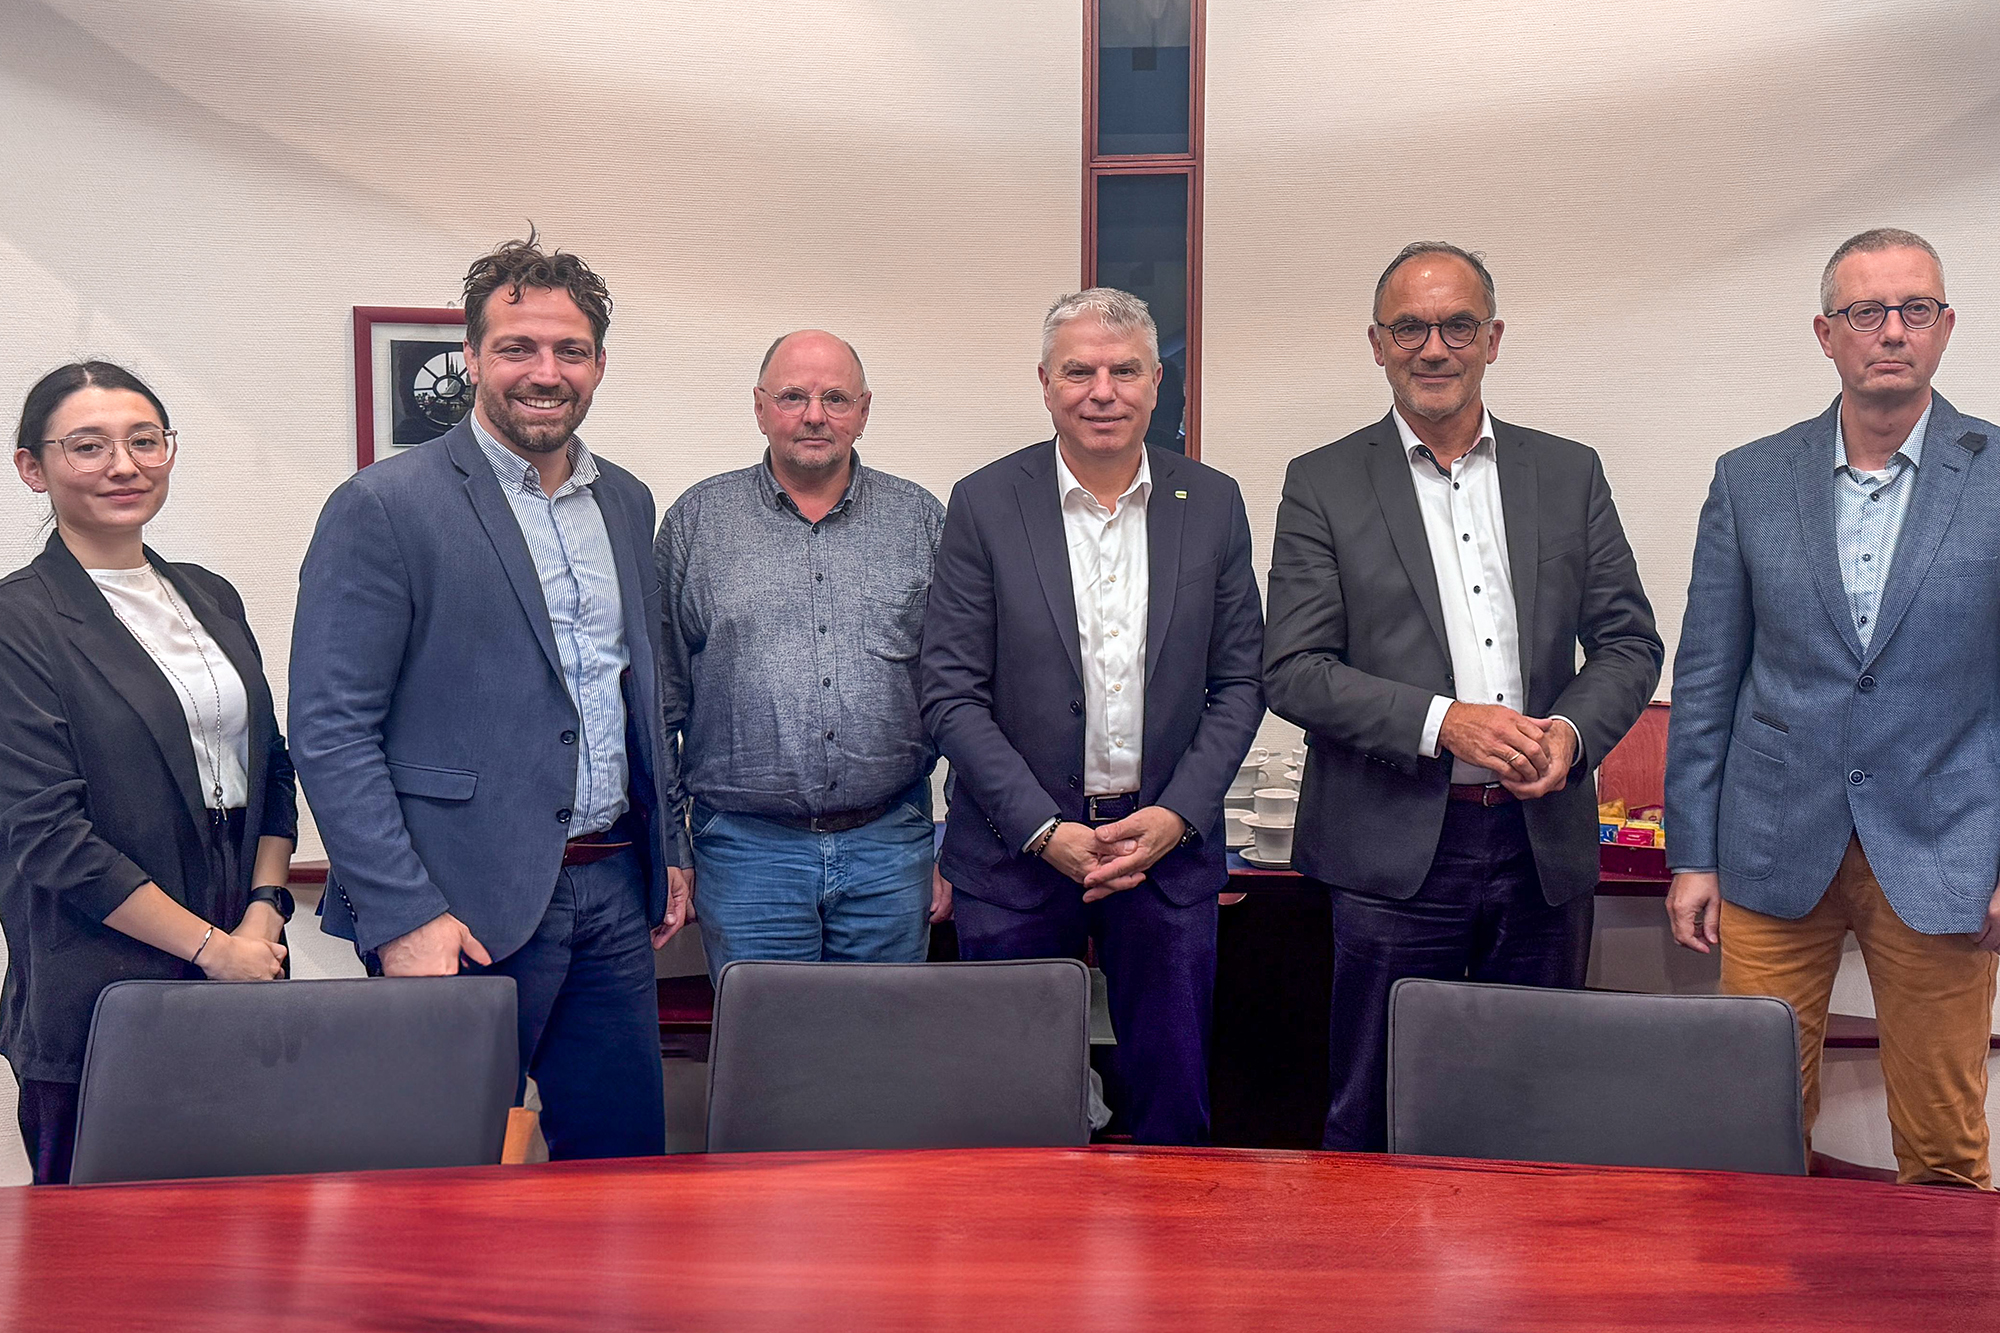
(368, 321)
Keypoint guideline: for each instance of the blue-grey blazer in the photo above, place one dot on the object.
(433, 732)
(1787, 735)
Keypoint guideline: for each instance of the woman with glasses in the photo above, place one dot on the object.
(147, 805)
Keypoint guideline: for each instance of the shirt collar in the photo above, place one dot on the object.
(776, 498)
(1911, 449)
(1411, 443)
(1067, 485)
(518, 474)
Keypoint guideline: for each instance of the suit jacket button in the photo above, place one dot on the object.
(1076, 705)
(569, 738)
(1075, 782)
(562, 816)
(1857, 777)
(1865, 684)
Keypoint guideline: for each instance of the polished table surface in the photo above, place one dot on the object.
(1018, 1239)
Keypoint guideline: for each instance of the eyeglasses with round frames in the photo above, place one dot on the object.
(90, 451)
(1411, 334)
(833, 402)
(1917, 313)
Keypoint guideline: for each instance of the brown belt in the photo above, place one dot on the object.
(592, 848)
(1488, 794)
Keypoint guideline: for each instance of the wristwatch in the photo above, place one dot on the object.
(278, 896)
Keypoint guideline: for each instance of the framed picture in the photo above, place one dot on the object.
(410, 384)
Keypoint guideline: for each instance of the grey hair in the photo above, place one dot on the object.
(1120, 312)
(783, 338)
(1868, 242)
(1417, 249)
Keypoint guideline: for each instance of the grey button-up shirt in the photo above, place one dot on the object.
(1869, 508)
(572, 552)
(791, 646)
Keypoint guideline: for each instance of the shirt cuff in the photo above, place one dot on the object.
(1433, 724)
(1579, 761)
(1040, 829)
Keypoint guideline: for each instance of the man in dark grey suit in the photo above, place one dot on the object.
(1431, 578)
(476, 709)
(1090, 670)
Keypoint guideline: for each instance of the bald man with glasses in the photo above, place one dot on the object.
(793, 605)
(1432, 576)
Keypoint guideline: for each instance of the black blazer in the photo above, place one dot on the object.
(99, 793)
(1356, 649)
(1002, 677)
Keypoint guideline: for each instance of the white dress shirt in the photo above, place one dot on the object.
(209, 689)
(1109, 575)
(1467, 532)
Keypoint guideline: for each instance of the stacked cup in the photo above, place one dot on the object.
(1237, 804)
(1275, 810)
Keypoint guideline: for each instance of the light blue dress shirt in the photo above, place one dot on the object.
(572, 552)
(1869, 508)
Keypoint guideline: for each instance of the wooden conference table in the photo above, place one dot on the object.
(1018, 1240)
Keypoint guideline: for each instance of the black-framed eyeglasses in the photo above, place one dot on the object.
(92, 451)
(1918, 313)
(1411, 334)
(833, 402)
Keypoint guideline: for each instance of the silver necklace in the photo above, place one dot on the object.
(214, 752)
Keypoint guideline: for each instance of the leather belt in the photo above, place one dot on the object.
(1109, 809)
(593, 847)
(1491, 793)
(840, 821)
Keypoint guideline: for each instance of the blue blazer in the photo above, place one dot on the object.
(1002, 673)
(1786, 735)
(432, 729)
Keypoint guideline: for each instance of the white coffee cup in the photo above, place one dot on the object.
(1274, 840)
(1277, 803)
(1237, 831)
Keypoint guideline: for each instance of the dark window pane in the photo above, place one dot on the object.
(1143, 49)
(1142, 245)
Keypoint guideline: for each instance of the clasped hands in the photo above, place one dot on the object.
(1532, 755)
(1117, 856)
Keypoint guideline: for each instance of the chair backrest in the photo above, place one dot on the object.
(896, 1055)
(209, 1078)
(1693, 1081)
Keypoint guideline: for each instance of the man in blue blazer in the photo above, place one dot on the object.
(1090, 669)
(1833, 761)
(475, 702)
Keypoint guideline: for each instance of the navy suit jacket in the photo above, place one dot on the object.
(1002, 675)
(1787, 735)
(432, 729)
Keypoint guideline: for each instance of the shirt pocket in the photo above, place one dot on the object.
(892, 617)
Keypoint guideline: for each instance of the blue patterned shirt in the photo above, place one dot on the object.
(1869, 508)
(572, 552)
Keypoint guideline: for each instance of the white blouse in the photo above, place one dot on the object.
(210, 690)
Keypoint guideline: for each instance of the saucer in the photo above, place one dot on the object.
(1251, 856)
(1257, 821)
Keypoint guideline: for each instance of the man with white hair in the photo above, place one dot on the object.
(1091, 670)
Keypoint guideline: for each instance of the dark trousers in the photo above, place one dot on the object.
(1159, 969)
(590, 1019)
(48, 1128)
(1478, 915)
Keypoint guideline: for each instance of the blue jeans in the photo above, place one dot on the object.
(589, 1014)
(765, 890)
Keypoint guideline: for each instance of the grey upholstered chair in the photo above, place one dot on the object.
(895, 1055)
(213, 1078)
(1691, 1081)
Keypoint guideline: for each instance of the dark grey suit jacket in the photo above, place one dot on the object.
(1355, 650)
(100, 793)
(431, 724)
(1002, 674)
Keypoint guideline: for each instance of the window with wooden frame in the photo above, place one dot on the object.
(1142, 92)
